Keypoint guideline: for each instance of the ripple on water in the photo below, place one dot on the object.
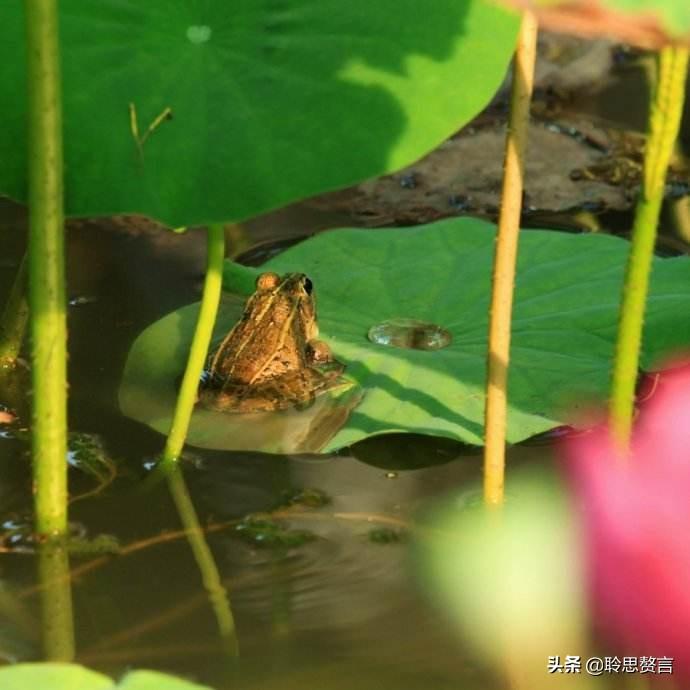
(340, 579)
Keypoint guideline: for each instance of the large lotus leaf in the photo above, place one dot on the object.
(271, 100)
(566, 305)
(57, 676)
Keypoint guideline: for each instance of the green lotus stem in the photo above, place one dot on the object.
(47, 269)
(203, 556)
(14, 318)
(56, 601)
(202, 338)
(498, 357)
(664, 121)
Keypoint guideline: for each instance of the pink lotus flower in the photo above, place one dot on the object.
(636, 517)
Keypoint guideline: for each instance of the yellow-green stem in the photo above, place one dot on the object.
(664, 121)
(14, 318)
(56, 601)
(200, 343)
(498, 357)
(46, 269)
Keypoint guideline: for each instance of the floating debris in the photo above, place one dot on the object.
(262, 530)
(308, 497)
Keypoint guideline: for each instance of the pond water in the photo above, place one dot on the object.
(346, 606)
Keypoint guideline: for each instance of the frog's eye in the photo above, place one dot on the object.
(268, 281)
(308, 286)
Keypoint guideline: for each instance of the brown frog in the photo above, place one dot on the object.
(271, 360)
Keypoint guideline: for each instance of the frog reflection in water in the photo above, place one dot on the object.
(271, 360)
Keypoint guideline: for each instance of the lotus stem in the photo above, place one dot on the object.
(47, 269)
(202, 338)
(14, 319)
(664, 121)
(56, 601)
(498, 357)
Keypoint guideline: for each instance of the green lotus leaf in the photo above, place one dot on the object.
(270, 100)
(566, 307)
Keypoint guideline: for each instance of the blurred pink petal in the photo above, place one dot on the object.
(637, 526)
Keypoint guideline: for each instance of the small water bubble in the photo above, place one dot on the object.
(199, 34)
(411, 334)
(81, 300)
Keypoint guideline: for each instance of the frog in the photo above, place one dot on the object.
(271, 359)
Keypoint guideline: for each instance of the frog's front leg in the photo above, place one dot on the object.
(318, 352)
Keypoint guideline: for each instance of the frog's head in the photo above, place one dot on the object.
(299, 289)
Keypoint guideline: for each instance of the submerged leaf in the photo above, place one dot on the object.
(566, 308)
